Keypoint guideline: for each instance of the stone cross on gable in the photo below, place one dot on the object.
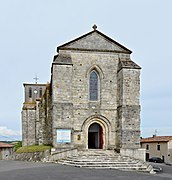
(94, 27)
(36, 79)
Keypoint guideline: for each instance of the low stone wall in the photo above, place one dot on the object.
(62, 154)
(45, 156)
(134, 153)
(34, 156)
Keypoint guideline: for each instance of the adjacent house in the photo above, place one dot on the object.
(158, 146)
(6, 150)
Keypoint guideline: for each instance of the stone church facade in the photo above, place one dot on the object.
(92, 101)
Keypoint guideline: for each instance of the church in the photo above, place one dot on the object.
(92, 100)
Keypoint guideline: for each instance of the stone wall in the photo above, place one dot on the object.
(34, 156)
(33, 91)
(62, 154)
(66, 104)
(70, 92)
(134, 153)
(6, 153)
(118, 98)
(37, 121)
(129, 105)
(29, 124)
(45, 118)
(45, 156)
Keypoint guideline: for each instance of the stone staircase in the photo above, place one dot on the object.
(105, 159)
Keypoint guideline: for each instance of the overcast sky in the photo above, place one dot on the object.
(30, 31)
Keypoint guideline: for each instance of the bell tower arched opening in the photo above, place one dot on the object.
(95, 136)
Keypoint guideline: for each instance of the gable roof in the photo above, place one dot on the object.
(94, 41)
(156, 139)
(5, 145)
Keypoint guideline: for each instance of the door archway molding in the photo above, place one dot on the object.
(103, 122)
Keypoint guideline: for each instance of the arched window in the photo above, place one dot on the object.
(40, 92)
(30, 92)
(93, 86)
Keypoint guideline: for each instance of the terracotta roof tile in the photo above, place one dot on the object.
(2, 145)
(156, 139)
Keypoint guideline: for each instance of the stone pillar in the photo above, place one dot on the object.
(62, 105)
(29, 124)
(24, 128)
(128, 105)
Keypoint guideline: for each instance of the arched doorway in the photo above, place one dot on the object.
(95, 136)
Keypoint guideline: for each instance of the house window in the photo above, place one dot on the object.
(93, 86)
(147, 146)
(158, 147)
(40, 92)
(30, 92)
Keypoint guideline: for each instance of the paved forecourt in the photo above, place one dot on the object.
(15, 170)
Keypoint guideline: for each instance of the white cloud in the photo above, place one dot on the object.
(4, 131)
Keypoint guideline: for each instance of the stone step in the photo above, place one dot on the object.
(101, 165)
(104, 160)
(121, 167)
(98, 162)
(101, 158)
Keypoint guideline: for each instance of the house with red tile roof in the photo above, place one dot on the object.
(158, 146)
(6, 150)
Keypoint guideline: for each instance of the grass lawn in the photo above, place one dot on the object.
(34, 148)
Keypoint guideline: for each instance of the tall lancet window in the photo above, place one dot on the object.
(40, 92)
(93, 86)
(30, 92)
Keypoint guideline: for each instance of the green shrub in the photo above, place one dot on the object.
(34, 148)
(17, 145)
